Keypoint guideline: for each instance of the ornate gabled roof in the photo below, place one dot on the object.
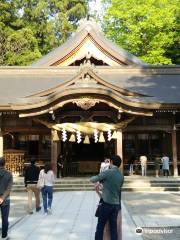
(143, 87)
(87, 86)
(160, 84)
(88, 41)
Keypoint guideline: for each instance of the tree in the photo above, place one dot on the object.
(66, 16)
(51, 21)
(35, 15)
(7, 21)
(145, 28)
(21, 48)
(18, 46)
(31, 28)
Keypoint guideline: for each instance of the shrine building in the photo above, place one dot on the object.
(86, 100)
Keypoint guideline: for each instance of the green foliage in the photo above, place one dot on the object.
(67, 14)
(21, 48)
(51, 21)
(145, 28)
(31, 28)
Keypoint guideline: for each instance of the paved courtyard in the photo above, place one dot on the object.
(73, 217)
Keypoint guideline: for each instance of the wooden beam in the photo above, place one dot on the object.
(54, 153)
(119, 147)
(174, 150)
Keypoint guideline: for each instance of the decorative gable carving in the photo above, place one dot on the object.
(86, 103)
(85, 81)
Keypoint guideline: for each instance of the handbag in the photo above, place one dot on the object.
(41, 182)
(98, 210)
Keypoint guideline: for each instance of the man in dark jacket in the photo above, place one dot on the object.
(6, 181)
(112, 181)
(30, 179)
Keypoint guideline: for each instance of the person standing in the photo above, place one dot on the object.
(47, 191)
(132, 160)
(30, 179)
(60, 166)
(6, 181)
(157, 165)
(112, 180)
(143, 161)
(165, 165)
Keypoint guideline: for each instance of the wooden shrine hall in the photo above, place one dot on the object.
(86, 100)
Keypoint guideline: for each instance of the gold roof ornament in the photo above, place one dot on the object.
(86, 140)
(55, 136)
(101, 137)
(86, 103)
(72, 138)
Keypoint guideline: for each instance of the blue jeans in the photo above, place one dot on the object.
(47, 195)
(108, 212)
(4, 215)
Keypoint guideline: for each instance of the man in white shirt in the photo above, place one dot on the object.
(143, 161)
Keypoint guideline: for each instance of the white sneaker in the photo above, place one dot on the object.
(49, 211)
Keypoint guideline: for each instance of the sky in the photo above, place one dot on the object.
(95, 6)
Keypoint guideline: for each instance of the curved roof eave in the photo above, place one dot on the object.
(100, 92)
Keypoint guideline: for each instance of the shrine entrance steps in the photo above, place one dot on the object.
(131, 183)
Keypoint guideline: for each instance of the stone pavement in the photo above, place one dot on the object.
(73, 217)
(155, 212)
(18, 207)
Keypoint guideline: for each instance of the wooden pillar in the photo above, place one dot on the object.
(119, 147)
(174, 151)
(1, 145)
(54, 152)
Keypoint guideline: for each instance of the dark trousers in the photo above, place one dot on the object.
(166, 172)
(107, 212)
(60, 172)
(4, 216)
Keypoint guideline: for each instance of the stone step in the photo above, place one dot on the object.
(125, 182)
(125, 188)
(70, 185)
(131, 184)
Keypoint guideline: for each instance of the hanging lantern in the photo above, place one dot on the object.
(78, 136)
(86, 140)
(101, 137)
(55, 136)
(109, 135)
(72, 138)
(64, 135)
(114, 136)
(95, 135)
